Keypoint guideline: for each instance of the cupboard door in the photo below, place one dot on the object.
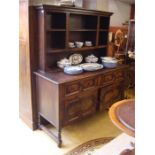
(119, 75)
(78, 107)
(109, 95)
(89, 103)
(72, 109)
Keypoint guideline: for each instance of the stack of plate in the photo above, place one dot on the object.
(73, 70)
(91, 66)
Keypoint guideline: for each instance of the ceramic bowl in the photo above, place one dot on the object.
(62, 65)
(110, 63)
(64, 62)
(108, 58)
(73, 70)
(71, 44)
(78, 44)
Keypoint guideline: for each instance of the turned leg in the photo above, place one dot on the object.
(59, 138)
(42, 124)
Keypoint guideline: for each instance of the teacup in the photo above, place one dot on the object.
(71, 44)
(79, 44)
(88, 43)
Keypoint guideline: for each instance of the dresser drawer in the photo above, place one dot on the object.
(72, 88)
(119, 75)
(88, 83)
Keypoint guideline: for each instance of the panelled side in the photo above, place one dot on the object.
(48, 100)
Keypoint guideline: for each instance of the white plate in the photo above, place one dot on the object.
(73, 70)
(76, 59)
(91, 66)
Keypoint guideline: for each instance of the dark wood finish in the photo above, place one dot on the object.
(77, 24)
(130, 46)
(110, 94)
(132, 12)
(122, 114)
(131, 75)
(62, 99)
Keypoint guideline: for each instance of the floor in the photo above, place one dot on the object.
(37, 142)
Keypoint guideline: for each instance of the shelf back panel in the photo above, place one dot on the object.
(104, 22)
(78, 21)
(56, 40)
(56, 20)
(103, 37)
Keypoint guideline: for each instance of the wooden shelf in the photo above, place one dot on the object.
(55, 50)
(103, 29)
(87, 48)
(75, 49)
(55, 30)
(72, 30)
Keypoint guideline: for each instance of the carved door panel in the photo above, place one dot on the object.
(109, 95)
(72, 109)
(78, 107)
(89, 103)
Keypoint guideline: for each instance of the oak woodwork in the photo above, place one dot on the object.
(60, 99)
(63, 99)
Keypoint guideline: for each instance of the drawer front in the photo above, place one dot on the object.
(119, 75)
(72, 88)
(88, 83)
(107, 79)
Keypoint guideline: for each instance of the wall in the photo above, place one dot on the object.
(120, 9)
(36, 2)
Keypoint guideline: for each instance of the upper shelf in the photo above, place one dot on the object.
(75, 49)
(51, 30)
(80, 30)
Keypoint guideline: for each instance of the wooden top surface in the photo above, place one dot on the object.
(72, 9)
(122, 114)
(57, 76)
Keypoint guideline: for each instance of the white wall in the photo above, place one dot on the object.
(121, 10)
(36, 2)
(102, 5)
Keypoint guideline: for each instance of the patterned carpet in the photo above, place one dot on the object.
(89, 147)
